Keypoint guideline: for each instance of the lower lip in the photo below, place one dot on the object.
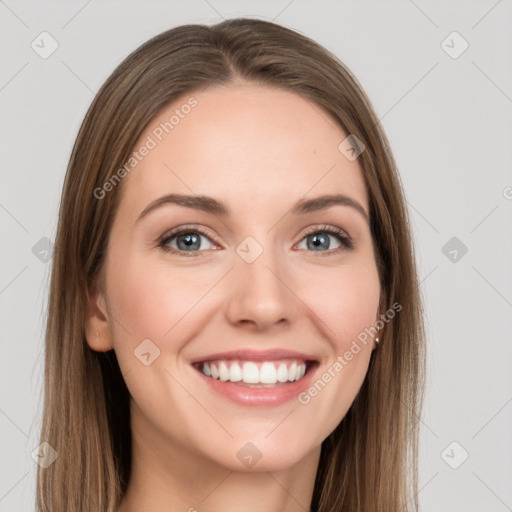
(260, 396)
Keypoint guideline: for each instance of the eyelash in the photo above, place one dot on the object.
(343, 238)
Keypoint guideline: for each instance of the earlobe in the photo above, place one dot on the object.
(380, 314)
(97, 327)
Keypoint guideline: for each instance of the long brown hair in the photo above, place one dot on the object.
(369, 462)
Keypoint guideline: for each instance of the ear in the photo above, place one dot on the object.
(97, 328)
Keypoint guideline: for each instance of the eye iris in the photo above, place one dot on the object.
(317, 241)
(191, 240)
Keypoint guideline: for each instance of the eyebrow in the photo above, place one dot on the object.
(211, 205)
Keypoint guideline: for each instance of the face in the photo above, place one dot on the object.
(253, 281)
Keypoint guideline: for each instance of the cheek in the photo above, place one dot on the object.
(149, 299)
(346, 300)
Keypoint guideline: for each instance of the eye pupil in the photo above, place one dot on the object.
(191, 240)
(318, 239)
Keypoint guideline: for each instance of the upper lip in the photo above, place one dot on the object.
(256, 355)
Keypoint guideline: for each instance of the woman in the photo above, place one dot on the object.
(234, 316)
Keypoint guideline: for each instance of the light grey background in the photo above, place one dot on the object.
(450, 126)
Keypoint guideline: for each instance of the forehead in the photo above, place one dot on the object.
(246, 144)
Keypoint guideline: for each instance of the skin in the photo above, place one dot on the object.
(258, 150)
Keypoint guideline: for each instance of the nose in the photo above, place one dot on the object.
(260, 294)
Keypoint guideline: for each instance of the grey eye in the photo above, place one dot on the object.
(319, 241)
(187, 241)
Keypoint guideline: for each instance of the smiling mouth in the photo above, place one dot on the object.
(256, 374)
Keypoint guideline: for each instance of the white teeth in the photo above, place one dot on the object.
(255, 373)
(268, 374)
(282, 373)
(235, 373)
(292, 372)
(250, 373)
(223, 371)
